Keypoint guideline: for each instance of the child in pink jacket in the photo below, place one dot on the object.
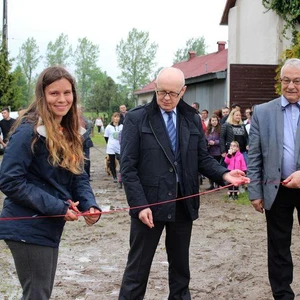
(234, 160)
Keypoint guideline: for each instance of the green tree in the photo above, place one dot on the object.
(194, 44)
(8, 89)
(136, 58)
(29, 59)
(94, 101)
(59, 52)
(85, 60)
(21, 88)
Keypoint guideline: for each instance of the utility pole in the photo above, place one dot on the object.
(4, 28)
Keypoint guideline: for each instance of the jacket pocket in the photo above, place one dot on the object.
(150, 186)
(148, 140)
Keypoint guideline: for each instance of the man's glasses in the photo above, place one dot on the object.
(287, 81)
(163, 94)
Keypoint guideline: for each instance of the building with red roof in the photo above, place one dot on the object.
(205, 78)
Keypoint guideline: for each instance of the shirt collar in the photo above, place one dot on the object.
(174, 110)
(285, 103)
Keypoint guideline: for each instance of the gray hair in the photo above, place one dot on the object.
(295, 62)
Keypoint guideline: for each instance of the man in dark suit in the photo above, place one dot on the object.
(157, 167)
(5, 125)
(123, 112)
(273, 168)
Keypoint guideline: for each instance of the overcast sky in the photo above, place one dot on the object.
(170, 24)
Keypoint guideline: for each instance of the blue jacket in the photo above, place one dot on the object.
(33, 187)
(150, 169)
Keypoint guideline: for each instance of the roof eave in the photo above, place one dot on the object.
(206, 77)
(229, 4)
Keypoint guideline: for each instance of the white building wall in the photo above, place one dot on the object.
(254, 34)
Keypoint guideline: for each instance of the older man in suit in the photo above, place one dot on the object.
(274, 164)
(163, 149)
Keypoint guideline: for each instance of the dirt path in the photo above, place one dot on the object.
(227, 256)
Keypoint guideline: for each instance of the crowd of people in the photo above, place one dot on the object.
(227, 131)
(162, 147)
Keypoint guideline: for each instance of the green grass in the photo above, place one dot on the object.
(88, 114)
(98, 139)
(243, 199)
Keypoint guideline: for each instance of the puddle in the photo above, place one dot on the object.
(84, 259)
(109, 268)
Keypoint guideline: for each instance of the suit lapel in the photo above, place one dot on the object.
(279, 127)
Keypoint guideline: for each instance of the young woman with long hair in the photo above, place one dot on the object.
(213, 142)
(42, 175)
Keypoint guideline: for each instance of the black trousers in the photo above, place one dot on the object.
(36, 267)
(279, 228)
(143, 244)
(112, 165)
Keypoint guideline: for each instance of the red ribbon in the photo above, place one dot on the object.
(115, 210)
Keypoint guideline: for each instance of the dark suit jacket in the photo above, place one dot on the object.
(148, 165)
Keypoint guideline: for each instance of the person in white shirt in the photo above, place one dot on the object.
(99, 124)
(111, 135)
(204, 116)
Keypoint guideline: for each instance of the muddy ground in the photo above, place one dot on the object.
(227, 254)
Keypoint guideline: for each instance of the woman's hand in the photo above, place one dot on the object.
(71, 215)
(94, 217)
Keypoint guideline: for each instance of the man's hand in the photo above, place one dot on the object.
(258, 204)
(236, 177)
(293, 181)
(146, 217)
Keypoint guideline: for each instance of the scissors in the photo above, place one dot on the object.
(73, 206)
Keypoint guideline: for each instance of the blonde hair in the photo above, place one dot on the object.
(63, 141)
(230, 117)
(236, 143)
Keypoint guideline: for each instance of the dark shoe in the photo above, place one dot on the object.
(120, 185)
(230, 197)
(235, 197)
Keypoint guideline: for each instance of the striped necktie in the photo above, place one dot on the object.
(171, 129)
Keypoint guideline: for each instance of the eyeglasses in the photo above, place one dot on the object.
(163, 94)
(287, 81)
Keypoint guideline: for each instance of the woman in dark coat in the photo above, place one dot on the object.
(42, 175)
(234, 130)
